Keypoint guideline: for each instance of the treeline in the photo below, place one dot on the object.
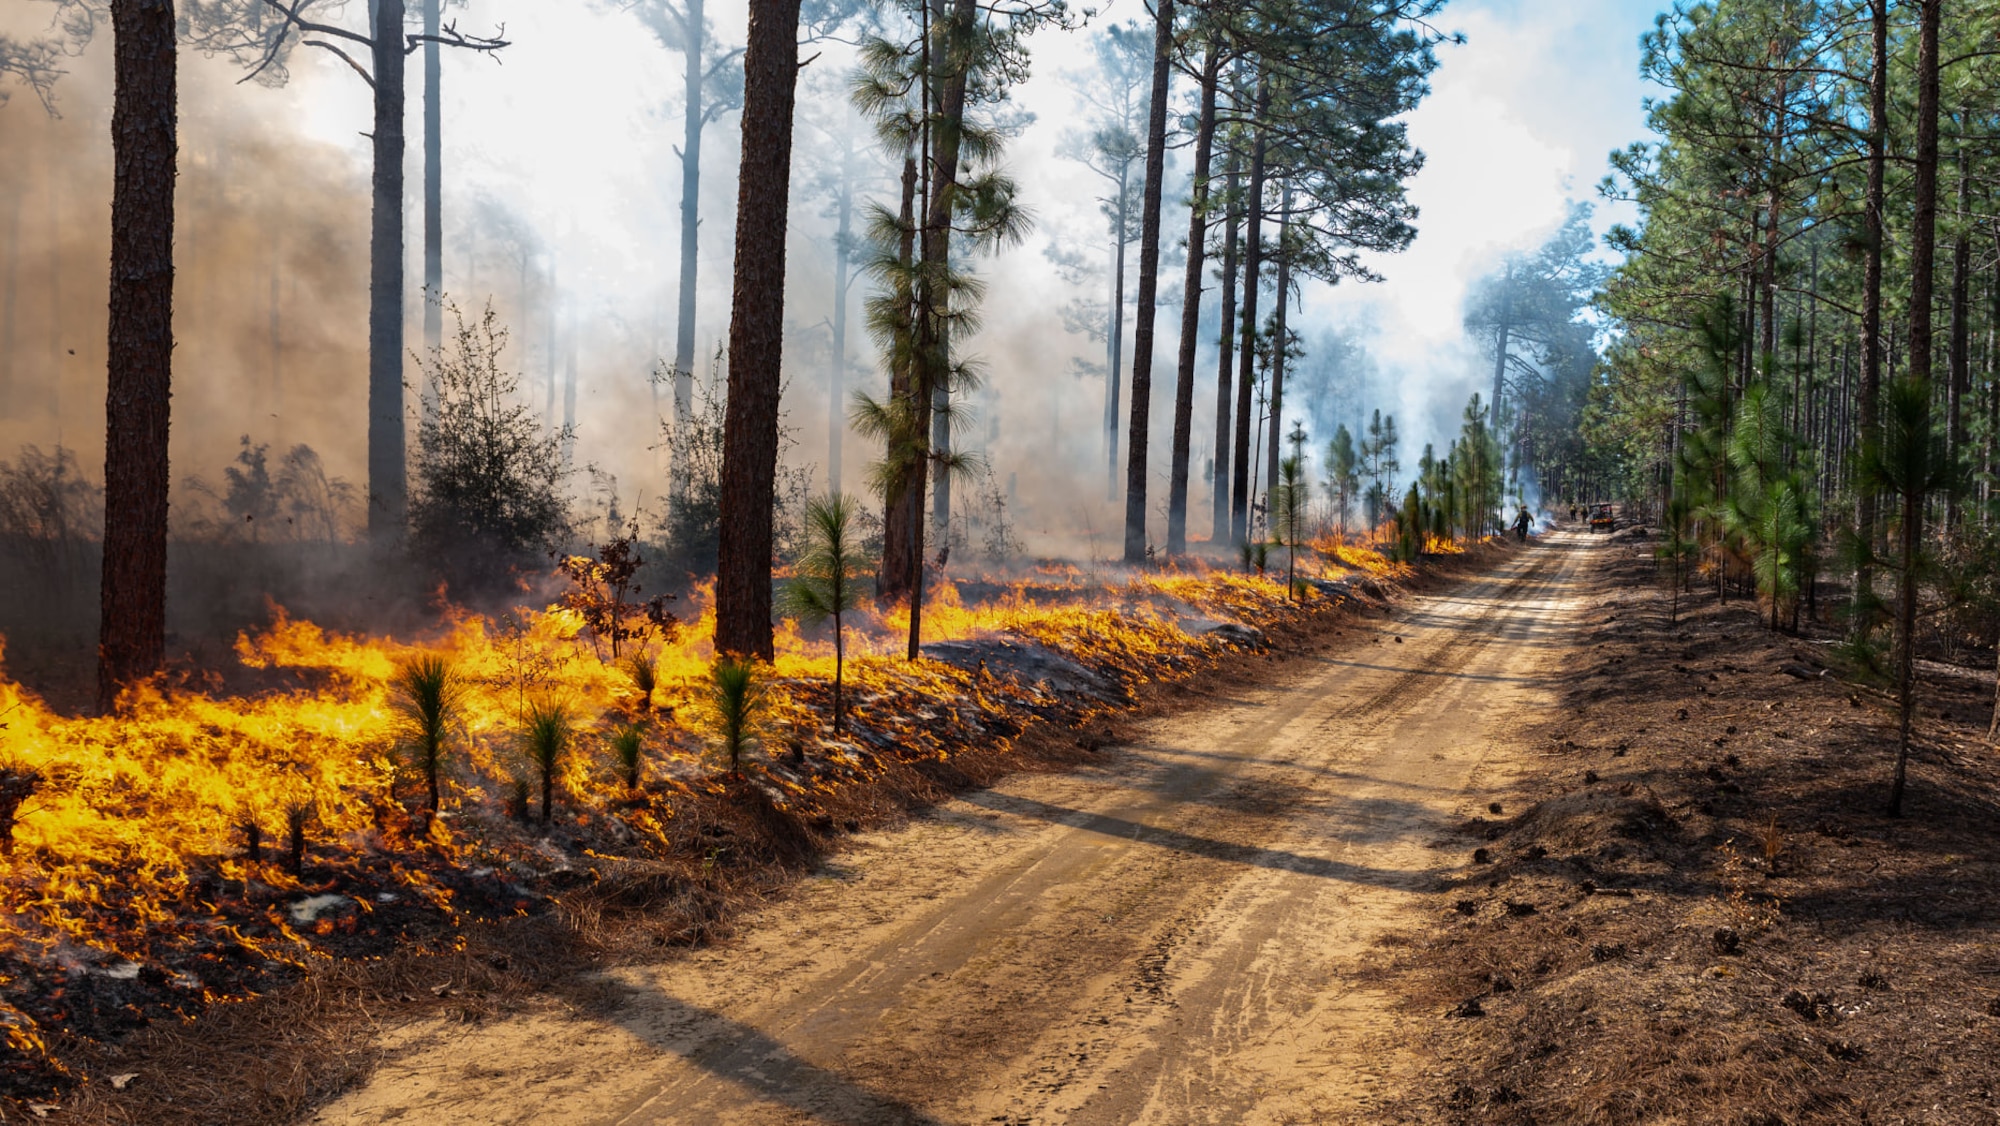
(1300, 158)
(1804, 378)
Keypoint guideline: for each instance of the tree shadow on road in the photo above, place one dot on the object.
(1252, 855)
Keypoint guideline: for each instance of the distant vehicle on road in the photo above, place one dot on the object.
(1602, 518)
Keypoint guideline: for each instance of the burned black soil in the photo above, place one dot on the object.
(1691, 907)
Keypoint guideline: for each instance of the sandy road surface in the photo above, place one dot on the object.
(1171, 936)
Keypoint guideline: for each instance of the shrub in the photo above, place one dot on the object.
(487, 496)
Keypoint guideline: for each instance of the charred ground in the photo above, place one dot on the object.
(1690, 907)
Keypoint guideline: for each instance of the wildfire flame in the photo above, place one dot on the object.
(134, 845)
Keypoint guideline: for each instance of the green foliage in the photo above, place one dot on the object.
(1410, 521)
(691, 524)
(733, 709)
(1768, 509)
(547, 730)
(1290, 501)
(1256, 555)
(1343, 474)
(824, 585)
(1378, 458)
(644, 673)
(429, 699)
(1678, 547)
(488, 496)
(1477, 469)
(628, 748)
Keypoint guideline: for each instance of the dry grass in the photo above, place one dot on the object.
(1699, 913)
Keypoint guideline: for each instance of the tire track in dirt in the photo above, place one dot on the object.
(1171, 936)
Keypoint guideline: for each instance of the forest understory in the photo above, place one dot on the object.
(294, 1026)
(1690, 906)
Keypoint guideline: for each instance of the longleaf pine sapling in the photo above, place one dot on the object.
(733, 709)
(429, 698)
(546, 733)
(824, 585)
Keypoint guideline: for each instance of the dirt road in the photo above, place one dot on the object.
(1171, 936)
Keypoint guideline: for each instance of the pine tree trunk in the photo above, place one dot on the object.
(932, 387)
(1923, 262)
(1501, 336)
(1225, 367)
(836, 390)
(132, 626)
(1204, 145)
(433, 187)
(1149, 287)
(1114, 342)
(8, 301)
(569, 387)
(1277, 430)
(1246, 372)
(387, 491)
(1961, 332)
(692, 116)
(550, 344)
(756, 332)
(1867, 415)
(892, 579)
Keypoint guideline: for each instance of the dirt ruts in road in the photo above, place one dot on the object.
(1174, 934)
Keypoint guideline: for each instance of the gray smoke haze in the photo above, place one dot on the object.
(562, 194)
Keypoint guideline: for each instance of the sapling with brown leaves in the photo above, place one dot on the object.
(824, 585)
(298, 814)
(546, 733)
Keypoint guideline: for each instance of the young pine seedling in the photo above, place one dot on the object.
(546, 731)
(825, 586)
(428, 699)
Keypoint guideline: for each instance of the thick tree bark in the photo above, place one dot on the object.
(756, 332)
(693, 117)
(933, 354)
(132, 626)
(1246, 372)
(1204, 145)
(388, 496)
(1923, 263)
(1149, 287)
(1225, 368)
(1867, 415)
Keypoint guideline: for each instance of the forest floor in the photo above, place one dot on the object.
(1692, 907)
(1186, 927)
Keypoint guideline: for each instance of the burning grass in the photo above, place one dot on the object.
(201, 847)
